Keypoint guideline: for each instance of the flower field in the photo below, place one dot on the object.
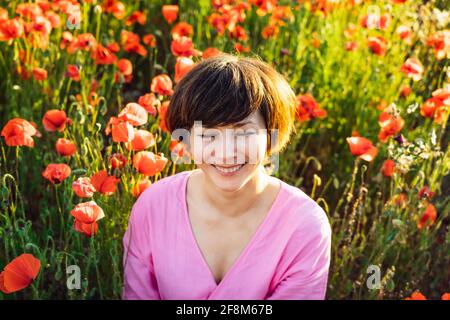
(85, 86)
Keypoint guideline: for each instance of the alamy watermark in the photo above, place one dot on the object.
(373, 281)
(227, 147)
(73, 281)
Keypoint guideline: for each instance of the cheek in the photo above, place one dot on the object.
(198, 152)
(255, 148)
(195, 150)
(203, 151)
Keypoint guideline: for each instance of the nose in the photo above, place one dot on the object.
(226, 149)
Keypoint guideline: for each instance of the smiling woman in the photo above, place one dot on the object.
(228, 230)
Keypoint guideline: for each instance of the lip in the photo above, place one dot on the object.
(228, 174)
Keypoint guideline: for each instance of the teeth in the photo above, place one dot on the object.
(229, 170)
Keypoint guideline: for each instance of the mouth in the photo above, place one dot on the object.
(229, 170)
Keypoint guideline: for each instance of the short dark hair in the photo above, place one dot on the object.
(225, 89)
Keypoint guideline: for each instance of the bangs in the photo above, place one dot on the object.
(223, 100)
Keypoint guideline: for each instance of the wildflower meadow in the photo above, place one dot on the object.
(85, 86)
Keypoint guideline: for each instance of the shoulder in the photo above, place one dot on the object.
(160, 195)
(165, 188)
(307, 217)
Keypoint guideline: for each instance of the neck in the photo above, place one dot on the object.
(235, 203)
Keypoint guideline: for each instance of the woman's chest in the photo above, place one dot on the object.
(199, 259)
(221, 242)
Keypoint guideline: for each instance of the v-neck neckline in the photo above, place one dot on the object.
(247, 247)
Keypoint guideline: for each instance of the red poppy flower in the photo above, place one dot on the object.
(443, 95)
(162, 115)
(428, 217)
(83, 187)
(117, 161)
(136, 16)
(103, 183)
(122, 131)
(388, 168)
(150, 103)
(376, 21)
(183, 47)
(362, 147)
(39, 74)
(239, 47)
(54, 19)
(134, 113)
(55, 120)
(210, 52)
(308, 108)
(148, 163)
(11, 29)
(425, 192)
(87, 212)
(66, 39)
(140, 187)
(434, 108)
(162, 85)
(73, 72)
(405, 33)
(103, 55)
(65, 147)
(270, 31)
(19, 273)
(87, 229)
(143, 139)
(125, 67)
(182, 67)
(86, 215)
(130, 42)
(390, 125)
(238, 33)
(182, 29)
(125, 71)
(19, 132)
(150, 40)
(115, 7)
(84, 41)
(416, 296)
(413, 68)
(405, 91)
(56, 172)
(440, 41)
(378, 45)
(42, 25)
(170, 13)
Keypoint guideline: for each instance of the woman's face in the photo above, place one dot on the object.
(231, 155)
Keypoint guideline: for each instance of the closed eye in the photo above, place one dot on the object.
(246, 133)
(206, 136)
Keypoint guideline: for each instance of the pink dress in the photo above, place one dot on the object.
(287, 258)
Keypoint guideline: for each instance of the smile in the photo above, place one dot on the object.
(229, 169)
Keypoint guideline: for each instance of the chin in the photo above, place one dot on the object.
(229, 177)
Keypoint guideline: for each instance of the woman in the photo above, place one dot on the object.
(228, 230)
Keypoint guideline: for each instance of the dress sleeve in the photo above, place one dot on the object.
(139, 277)
(306, 276)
